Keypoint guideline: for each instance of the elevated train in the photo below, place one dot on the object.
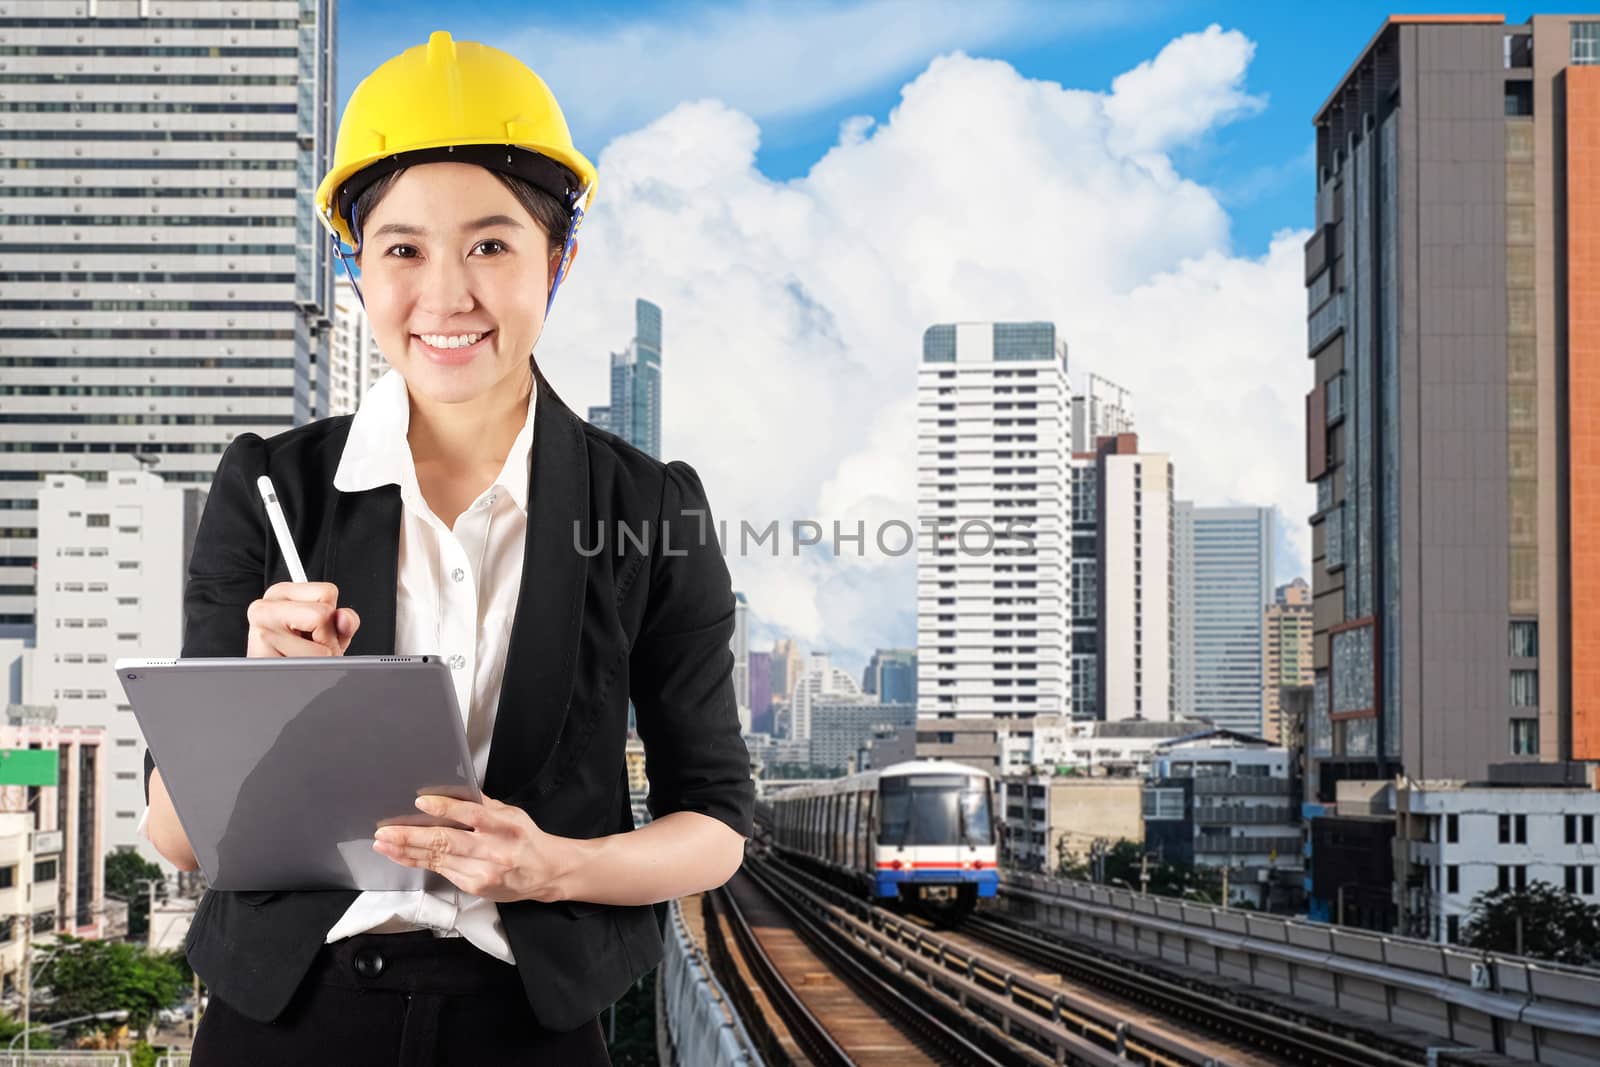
(919, 833)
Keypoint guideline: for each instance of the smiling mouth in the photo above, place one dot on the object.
(455, 351)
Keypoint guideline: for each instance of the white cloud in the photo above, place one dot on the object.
(793, 311)
(1194, 85)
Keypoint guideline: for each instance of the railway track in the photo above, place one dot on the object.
(1287, 1040)
(1106, 1007)
(825, 1024)
(1009, 1013)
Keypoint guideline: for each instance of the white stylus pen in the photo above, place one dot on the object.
(280, 526)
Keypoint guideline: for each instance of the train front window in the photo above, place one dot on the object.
(934, 809)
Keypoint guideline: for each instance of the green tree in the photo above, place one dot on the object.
(10, 1028)
(88, 977)
(1555, 925)
(123, 873)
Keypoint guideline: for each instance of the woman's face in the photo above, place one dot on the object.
(450, 253)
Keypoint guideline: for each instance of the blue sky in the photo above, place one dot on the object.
(1259, 165)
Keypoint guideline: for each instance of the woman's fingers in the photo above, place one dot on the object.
(444, 841)
(282, 643)
(323, 592)
(290, 613)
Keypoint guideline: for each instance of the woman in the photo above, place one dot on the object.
(456, 513)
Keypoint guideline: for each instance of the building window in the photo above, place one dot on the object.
(8, 876)
(1503, 876)
(1452, 879)
(1525, 640)
(97, 520)
(1505, 830)
(1588, 880)
(1585, 43)
(1520, 877)
(1586, 825)
(44, 871)
(1519, 97)
(1524, 689)
(1572, 878)
(1519, 827)
(1452, 928)
(1524, 737)
(1569, 830)
(1452, 828)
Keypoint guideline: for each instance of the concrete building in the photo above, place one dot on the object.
(67, 846)
(787, 666)
(1134, 601)
(891, 675)
(1451, 420)
(1454, 840)
(1222, 584)
(633, 754)
(1223, 800)
(110, 585)
(993, 484)
(1286, 657)
(1055, 819)
(1101, 408)
(1124, 749)
(839, 730)
(189, 299)
(354, 362)
(634, 413)
(822, 682)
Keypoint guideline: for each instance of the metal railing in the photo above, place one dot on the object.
(1283, 845)
(67, 1058)
(1243, 786)
(702, 1026)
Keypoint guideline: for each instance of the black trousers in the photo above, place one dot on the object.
(398, 1000)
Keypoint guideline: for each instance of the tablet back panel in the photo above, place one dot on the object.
(281, 769)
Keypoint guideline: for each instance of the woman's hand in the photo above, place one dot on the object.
(300, 619)
(504, 857)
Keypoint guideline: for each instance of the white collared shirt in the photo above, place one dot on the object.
(456, 597)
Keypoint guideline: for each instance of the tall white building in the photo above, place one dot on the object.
(1134, 497)
(164, 284)
(1223, 577)
(741, 658)
(65, 838)
(355, 362)
(994, 582)
(822, 682)
(111, 585)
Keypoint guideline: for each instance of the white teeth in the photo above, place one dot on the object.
(439, 340)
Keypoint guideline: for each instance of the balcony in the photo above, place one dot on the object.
(1241, 786)
(1217, 844)
(1245, 815)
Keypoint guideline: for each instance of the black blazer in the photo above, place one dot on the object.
(592, 630)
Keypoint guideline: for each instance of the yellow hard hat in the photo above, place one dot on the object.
(449, 100)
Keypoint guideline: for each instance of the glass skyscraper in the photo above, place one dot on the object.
(1223, 575)
(635, 410)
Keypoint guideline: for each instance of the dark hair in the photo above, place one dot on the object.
(548, 211)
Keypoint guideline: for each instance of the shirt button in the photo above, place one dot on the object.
(458, 661)
(458, 574)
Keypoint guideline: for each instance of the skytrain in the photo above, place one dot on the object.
(919, 833)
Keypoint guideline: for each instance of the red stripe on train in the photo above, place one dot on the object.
(947, 865)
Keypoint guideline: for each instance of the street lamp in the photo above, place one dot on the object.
(119, 1015)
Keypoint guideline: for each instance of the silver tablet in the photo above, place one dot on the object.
(281, 769)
